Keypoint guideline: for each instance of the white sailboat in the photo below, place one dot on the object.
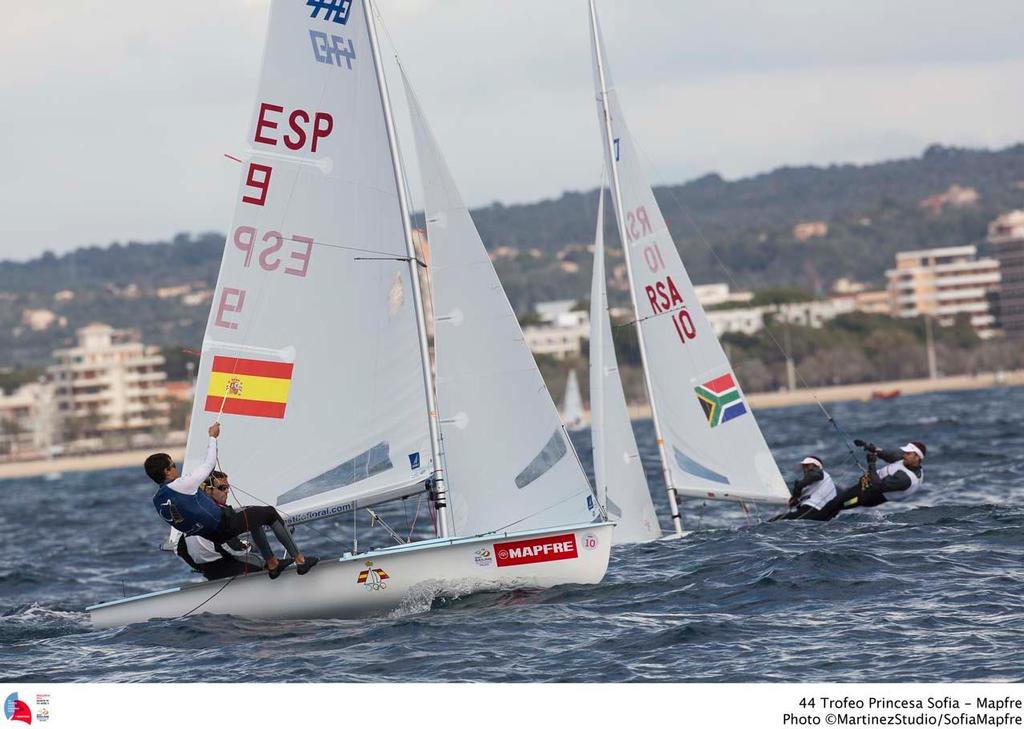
(708, 441)
(618, 472)
(572, 403)
(315, 358)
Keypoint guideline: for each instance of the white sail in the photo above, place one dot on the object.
(508, 460)
(618, 473)
(712, 444)
(572, 404)
(312, 334)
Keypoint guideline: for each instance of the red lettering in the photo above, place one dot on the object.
(653, 259)
(262, 185)
(666, 303)
(673, 293)
(652, 297)
(320, 132)
(262, 122)
(265, 264)
(244, 238)
(304, 257)
(301, 142)
(231, 302)
(684, 326)
(645, 224)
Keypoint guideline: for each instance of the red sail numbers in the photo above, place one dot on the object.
(663, 295)
(272, 251)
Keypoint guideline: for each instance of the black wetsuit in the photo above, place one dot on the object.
(872, 493)
(252, 519)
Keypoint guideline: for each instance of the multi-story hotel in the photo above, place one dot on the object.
(1006, 236)
(943, 283)
(109, 383)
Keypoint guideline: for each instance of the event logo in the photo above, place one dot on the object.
(543, 549)
(720, 400)
(17, 710)
(483, 557)
(372, 578)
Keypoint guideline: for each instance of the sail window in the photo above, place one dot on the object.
(690, 466)
(550, 454)
(368, 463)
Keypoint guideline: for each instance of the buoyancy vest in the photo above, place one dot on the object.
(188, 513)
(819, 493)
(915, 481)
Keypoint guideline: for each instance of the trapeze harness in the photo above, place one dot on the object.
(188, 513)
(915, 481)
(820, 493)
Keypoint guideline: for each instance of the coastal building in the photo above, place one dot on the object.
(717, 294)
(1006, 238)
(944, 283)
(109, 383)
(27, 421)
(750, 320)
(561, 330)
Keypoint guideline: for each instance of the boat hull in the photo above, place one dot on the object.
(386, 580)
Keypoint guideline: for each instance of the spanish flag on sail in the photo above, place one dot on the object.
(251, 387)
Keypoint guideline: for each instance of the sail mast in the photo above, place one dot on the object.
(610, 143)
(421, 328)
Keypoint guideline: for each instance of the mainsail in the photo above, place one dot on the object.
(572, 405)
(310, 354)
(618, 472)
(509, 462)
(712, 446)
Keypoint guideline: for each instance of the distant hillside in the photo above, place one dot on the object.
(869, 211)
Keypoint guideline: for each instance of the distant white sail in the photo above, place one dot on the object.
(508, 460)
(312, 335)
(713, 445)
(618, 473)
(572, 405)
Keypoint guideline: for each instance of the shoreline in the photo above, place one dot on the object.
(757, 401)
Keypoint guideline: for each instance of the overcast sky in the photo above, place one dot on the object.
(114, 116)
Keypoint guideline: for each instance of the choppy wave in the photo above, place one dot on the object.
(931, 590)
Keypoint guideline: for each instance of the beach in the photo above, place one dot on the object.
(758, 401)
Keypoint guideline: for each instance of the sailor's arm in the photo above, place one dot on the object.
(890, 456)
(189, 483)
(898, 481)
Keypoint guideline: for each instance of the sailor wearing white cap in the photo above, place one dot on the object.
(899, 479)
(814, 495)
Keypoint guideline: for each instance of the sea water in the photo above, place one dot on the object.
(927, 590)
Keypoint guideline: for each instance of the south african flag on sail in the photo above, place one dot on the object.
(720, 400)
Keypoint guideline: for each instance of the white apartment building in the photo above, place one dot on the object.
(803, 313)
(563, 331)
(27, 421)
(945, 282)
(1006, 236)
(110, 383)
(719, 293)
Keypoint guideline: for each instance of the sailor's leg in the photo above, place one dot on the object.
(284, 536)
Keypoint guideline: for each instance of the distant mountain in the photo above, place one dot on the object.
(859, 216)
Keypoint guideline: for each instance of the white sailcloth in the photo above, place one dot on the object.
(618, 473)
(508, 460)
(713, 444)
(572, 405)
(312, 335)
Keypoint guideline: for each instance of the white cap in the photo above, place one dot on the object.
(811, 461)
(911, 448)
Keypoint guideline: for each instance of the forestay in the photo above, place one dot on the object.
(508, 460)
(713, 446)
(312, 335)
(618, 472)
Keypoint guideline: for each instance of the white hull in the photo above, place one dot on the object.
(378, 582)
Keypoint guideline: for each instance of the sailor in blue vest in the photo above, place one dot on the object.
(899, 479)
(181, 503)
(814, 496)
